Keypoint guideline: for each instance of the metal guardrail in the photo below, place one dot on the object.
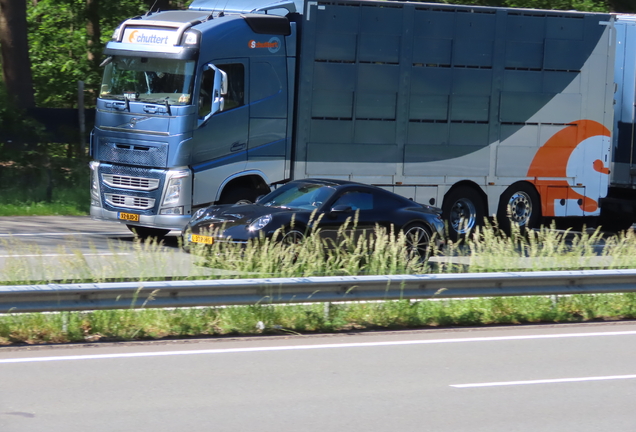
(170, 294)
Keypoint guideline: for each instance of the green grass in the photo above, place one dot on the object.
(485, 251)
(32, 202)
(145, 324)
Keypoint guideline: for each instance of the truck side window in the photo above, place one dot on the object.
(205, 95)
(235, 96)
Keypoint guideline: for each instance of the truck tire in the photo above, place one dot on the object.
(463, 210)
(235, 195)
(519, 205)
(615, 223)
(146, 232)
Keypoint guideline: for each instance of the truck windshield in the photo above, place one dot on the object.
(148, 80)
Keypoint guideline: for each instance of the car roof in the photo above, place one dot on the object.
(328, 182)
(338, 182)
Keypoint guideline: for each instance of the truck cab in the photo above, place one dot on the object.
(193, 110)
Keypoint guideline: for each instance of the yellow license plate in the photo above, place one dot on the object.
(195, 238)
(129, 217)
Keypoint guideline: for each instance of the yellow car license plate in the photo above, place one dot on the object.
(129, 217)
(195, 238)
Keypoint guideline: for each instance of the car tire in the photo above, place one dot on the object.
(293, 237)
(462, 211)
(146, 232)
(520, 205)
(418, 241)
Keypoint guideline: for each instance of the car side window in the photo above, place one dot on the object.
(357, 200)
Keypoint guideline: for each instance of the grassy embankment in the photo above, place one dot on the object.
(486, 251)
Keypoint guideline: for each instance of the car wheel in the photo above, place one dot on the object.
(463, 210)
(145, 232)
(418, 241)
(519, 205)
(293, 237)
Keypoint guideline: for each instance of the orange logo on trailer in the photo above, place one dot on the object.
(580, 150)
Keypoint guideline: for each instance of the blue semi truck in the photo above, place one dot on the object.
(482, 111)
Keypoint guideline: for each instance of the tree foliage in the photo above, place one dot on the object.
(59, 46)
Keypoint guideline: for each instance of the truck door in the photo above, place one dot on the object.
(220, 138)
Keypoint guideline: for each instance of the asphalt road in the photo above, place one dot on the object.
(59, 248)
(524, 379)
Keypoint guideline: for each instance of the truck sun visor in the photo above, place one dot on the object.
(268, 24)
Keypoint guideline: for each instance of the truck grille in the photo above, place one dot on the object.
(126, 182)
(131, 202)
(151, 155)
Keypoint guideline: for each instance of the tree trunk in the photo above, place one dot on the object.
(93, 32)
(14, 45)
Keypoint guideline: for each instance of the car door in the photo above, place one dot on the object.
(352, 214)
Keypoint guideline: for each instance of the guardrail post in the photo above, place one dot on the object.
(555, 301)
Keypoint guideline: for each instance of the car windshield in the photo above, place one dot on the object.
(300, 196)
(148, 80)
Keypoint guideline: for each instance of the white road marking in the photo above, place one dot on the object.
(310, 347)
(545, 381)
(64, 234)
(68, 254)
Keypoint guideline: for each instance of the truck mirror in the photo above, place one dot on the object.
(220, 81)
(213, 87)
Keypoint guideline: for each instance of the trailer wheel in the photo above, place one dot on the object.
(519, 205)
(146, 232)
(463, 210)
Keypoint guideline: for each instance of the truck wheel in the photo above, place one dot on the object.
(145, 232)
(463, 210)
(519, 205)
(615, 223)
(235, 195)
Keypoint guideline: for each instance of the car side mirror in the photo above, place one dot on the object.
(342, 208)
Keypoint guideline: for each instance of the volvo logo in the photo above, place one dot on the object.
(134, 121)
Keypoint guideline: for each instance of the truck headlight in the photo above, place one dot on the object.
(191, 38)
(175, 187)
(116, 34)
(95, 198)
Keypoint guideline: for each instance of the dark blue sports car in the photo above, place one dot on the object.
(317, 205)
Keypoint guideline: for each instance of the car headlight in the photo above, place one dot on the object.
(199, 213)
(260, 222)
